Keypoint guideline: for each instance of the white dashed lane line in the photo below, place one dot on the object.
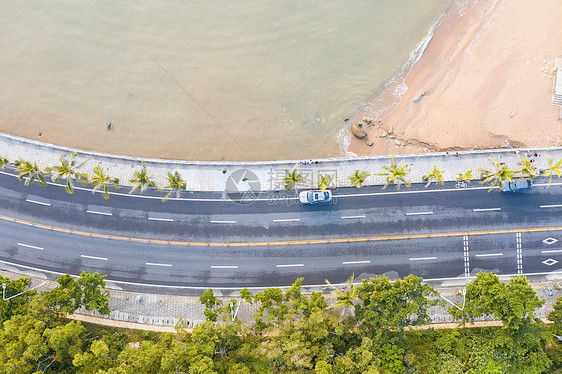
(161, 219)
(156, 264)
(287, 220)
(37, 202)
(356, 262)
(486, 209)
(31, 246)
(352, 217)
(100, 213)
(223, 221)
(422, 258)
(552, 206)
(490, 255)
(552, 251)
(289, 265)
(418, 213)
(224, 267)
(94, 257)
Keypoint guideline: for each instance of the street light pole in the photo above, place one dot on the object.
(453, 304)
(4, 285)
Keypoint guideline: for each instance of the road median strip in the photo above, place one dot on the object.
(280, 243)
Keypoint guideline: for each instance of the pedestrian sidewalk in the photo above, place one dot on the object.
(268, 175)
(159, 312)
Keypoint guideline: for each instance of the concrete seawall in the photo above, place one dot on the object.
(268, 175)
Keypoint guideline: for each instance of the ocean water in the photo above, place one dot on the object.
(194, 80)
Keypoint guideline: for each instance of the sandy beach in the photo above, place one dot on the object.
(485, 80)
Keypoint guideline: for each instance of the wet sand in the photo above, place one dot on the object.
(487, 80)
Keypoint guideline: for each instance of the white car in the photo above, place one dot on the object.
(315, 197)
(512, 186)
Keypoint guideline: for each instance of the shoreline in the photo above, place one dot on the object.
(468, 61)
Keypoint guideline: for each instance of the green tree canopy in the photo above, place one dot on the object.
(391, 305)
(513, 303)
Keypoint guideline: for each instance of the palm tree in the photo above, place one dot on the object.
(4, 162)
(552, 169)
(346, 298)
(324, 181)
(176, 184)
(496, 177)
(467, 176)
(396, 174)
(436, 175)
(291, 179)
(358, 178)
(141, 180)
(102, 181)
(30, 172)
(68, 170)
(527, 169)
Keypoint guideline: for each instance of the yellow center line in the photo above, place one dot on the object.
(284, 242)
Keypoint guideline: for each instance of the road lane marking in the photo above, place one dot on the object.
(157, 264)
(224, 267)
(31, 246)
(287, 220)
(418, 213)
(304, 241)
(466, 256)
(100, 213)
(289, 265)
(94, 257)
(490, 255)
(486, 209)
(37, 202)
(223, 221)
(422, 258)
(552, 251)
(356, 262)
(161, 219)
(552, 206)
(519, 253)
(352, 217)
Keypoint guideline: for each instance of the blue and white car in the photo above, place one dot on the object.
(520, 185)
(315, 197)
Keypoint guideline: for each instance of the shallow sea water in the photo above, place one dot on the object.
(234, 80)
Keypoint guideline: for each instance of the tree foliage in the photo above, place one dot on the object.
(396, 174)
(294, 331)
(87, 291)
(358, 178)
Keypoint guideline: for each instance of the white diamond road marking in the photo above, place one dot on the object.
(550, 241)
(550, 262)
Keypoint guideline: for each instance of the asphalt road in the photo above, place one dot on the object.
(201, 240)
